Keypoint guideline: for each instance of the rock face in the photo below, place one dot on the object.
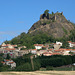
(55, 25)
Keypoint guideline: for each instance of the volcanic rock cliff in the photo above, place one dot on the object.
(54, 24)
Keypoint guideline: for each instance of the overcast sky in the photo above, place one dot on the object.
(17, 16)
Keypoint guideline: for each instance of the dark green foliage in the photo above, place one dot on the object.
(8, 56)
(46, 12)
(23, 48)
(55, 61)
(73, 58)
(48, 62)
(71, 52)
(24, 67)
(52, 62)
(1, 54)
(36, 64)
(72, 36)
(4, 68)
(7, 42)
(24, 63)
(52, 13)
(29, 40)
(23, 59)
(65, 44)
(49, 68)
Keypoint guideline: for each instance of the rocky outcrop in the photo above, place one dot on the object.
(52, 24)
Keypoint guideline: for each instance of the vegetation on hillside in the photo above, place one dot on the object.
(42, 38)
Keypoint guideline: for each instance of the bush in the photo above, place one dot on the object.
(37, 65)
(24, 67)
(49, 68)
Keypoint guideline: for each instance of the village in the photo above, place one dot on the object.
(40, 49)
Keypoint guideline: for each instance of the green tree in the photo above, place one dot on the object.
(52, 13)
(24, 67)
(46, 12)
(8, 56)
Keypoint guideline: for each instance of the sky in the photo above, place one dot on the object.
(17, 16)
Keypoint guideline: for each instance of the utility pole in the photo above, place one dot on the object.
(31, 57)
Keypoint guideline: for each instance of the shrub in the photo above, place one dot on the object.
(49, 67)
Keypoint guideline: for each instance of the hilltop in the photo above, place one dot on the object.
(54, 24)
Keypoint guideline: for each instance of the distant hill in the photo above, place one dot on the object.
(54, 24)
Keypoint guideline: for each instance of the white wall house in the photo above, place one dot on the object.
(71, 44)
(59, 43)
(38, 46)
(33, 51)
(8, 46)
(11, 63)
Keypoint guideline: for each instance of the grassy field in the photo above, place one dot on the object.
(40, 73)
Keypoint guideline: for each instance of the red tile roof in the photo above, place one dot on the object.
(63, 50)
(38, 44)
(44, 46)
(9, 49)
(34, 49)
(11, 62)
(68, 49)
(14, 45)
(56, 54)
(69, 41)
(72, 42)
(57, 50)
(7, 60)
(2, 62)
(73, 49)
(47, 53)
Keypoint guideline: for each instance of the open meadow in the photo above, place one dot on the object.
(40, 73)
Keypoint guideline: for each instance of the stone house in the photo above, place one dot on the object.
(33, 51)
(38, 46)
(71, 44)
(8, 46)
(11, 63)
